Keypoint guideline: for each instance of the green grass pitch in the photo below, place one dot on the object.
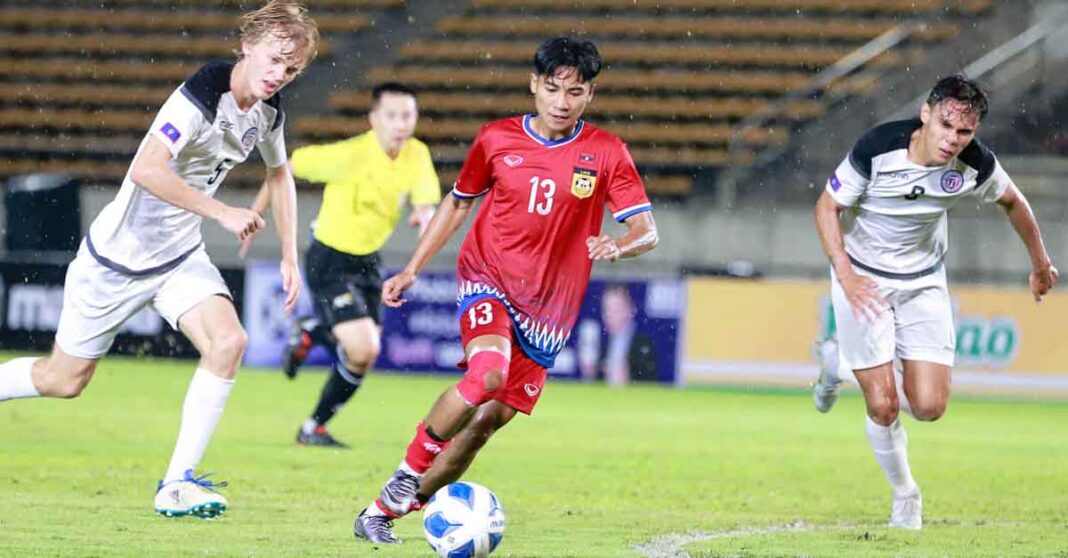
(597, 472)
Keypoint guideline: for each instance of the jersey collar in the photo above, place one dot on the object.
(548, 142)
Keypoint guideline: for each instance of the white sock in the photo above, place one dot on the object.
(15, 379)
(408, 469)
(309, 426)
(203, 406)
(890, 446)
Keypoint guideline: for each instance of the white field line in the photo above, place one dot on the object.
(670, 546)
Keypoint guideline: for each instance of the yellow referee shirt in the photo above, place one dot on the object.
(365, 190)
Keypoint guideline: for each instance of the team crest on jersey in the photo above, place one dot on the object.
(582, 182)
(249, 138)
(952, 181)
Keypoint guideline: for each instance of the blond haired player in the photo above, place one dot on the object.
(145, 248)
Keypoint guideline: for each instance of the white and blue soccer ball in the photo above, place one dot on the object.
(463, 520)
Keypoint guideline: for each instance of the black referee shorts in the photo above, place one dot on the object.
(344, 286)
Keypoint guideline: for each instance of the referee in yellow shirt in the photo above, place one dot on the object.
(368, 180)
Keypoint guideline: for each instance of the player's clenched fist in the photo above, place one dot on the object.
(603, 247)
(395, 286)
(1042, 281)
(242, 222)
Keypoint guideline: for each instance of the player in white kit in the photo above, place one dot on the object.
(882, 223)
(145, 247)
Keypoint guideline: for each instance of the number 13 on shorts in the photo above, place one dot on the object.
(480, 314)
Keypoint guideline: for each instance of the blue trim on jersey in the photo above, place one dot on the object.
(464, 303)
(464, 196)
(548, 142)
(635, 211)
(543, 358)
(115, 266)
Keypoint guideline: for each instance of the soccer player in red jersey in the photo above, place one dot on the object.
(523, 268)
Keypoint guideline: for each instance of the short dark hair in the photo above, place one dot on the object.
(959, 88)
(568, 52)
(391, 87)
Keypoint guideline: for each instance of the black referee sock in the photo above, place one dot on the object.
(320, 334)
(339, 388)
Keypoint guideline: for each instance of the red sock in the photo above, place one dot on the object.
(423, 450)
(416, 505)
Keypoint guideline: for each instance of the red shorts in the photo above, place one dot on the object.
(526, 378)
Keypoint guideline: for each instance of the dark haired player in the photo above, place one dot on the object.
(369, 179)
(523, 268)
(882, 223)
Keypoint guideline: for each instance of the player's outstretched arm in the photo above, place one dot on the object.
(861, 291)
(641, 236)
(1043, 274)
(152, 172)
(282, 192)
(452, 212)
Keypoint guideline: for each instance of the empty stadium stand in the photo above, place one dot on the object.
(680, 74)
(81, 79)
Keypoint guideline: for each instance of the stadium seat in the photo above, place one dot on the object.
(234, 5)
(71, 69)
(902, 7)
(824, 29)
(150, 20)
(641, 53)
(119, 45)
(49, 94)
(604, 105)
(443, 128)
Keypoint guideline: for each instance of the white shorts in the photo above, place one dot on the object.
(97, 300)
(918, 325)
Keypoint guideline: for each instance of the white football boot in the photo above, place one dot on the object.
(195, 496)
(825, 390)
(907, 511)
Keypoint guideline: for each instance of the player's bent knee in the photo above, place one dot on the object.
(884, 411)
(229, 345)
(930, 410)
(493, 380)
(359, 357)
(486, 373)
(66, 383)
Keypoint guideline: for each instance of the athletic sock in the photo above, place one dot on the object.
(16, 381)
(890, 446)
(320, 334)
(339, 388)
(423, 449)
(201, 411)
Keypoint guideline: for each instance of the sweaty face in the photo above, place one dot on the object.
(560, 98)
(394, 118)
(272, 63)
(948, 128)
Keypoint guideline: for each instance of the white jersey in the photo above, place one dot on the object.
(207, 134)
(896, 225)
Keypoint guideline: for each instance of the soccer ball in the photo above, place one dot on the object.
(463, 520)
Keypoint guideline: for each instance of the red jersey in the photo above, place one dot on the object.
(527, 246)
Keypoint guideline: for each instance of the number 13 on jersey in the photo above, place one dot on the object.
(543, 190)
